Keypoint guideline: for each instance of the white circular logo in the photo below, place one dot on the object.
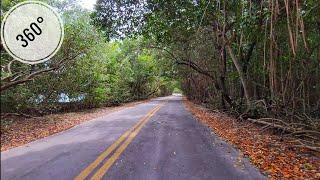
(32, 32)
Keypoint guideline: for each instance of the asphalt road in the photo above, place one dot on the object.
(159, 139)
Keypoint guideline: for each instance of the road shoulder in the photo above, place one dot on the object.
(269, 152)
(18, 131)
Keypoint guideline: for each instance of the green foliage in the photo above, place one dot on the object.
(215, 44)
(96, 73)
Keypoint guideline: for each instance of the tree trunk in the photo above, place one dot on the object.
(241, 75)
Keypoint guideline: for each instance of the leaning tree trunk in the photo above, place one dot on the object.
(241, 76)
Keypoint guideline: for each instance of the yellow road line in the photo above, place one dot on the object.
(102, 171)
(111, 148)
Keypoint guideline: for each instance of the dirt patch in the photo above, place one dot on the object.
(274, 155)
(17, 131)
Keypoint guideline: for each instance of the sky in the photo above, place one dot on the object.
(87, 4)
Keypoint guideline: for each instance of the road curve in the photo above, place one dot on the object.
(158, 139)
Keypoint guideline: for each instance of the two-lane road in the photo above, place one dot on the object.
(158, 139)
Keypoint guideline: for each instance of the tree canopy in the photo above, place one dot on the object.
(253, 58)
(246, 52)
(88, 71)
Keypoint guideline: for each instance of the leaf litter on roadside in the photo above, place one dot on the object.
(18, 131)
(272, 154)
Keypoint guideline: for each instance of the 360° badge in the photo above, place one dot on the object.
(32, 32)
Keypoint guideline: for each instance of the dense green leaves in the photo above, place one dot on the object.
(230, 51)
(245, 56)
(91, 71)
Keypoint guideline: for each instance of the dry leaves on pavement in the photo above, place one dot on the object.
(272, 154)
(18, 131)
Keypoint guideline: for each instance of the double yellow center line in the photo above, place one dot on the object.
(127, 137)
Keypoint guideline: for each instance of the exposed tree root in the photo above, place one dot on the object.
(15, 114)
(306, 136)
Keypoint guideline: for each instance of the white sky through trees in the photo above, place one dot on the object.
(87, 4)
